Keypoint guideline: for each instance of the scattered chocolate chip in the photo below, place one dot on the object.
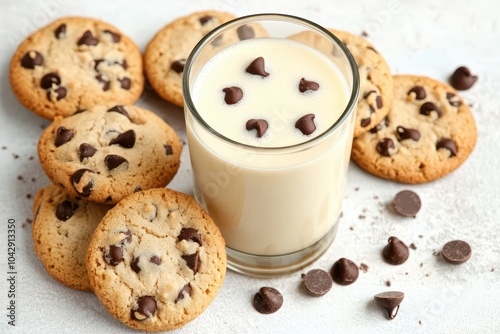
(390, 302)
(429, 107)
(186, 290)
(114, 256)
(87, 39)
(384, 123)
(134, 265)
(104, 81)
(86, 151)
(168, 149)
(257, 67)
(31, 59)
(125, 83)
(395, 252)
(453, 102)
(114, 36)
(63, 136)
(126, 139)
(119, 109)
(245, 32)
(146, 308)
(257, 124)
(306, 124)
(178, 65)
(344, 272)
(388, 283)
(413, 246)
(364, 34)
(204, 19)
(60, 31)
(59, 92)
(267, 300)
(77, 177)
(456, 251)
(447, 144)
(462, 79)
(155, 259)
(232, 94)
(189, 234)
(192, 261)
(65, 210)
(406, 133)
(407, 203)
(379, 101)
(50, 79)
(365, 122)
(419, 92)
(113, 161)
(384, 146)
(317, 282)
(306, 85)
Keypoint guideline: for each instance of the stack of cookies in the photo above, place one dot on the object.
(107, 224)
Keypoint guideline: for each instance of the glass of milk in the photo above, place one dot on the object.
(269, 122)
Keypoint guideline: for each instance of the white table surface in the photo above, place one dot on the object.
(422, 37)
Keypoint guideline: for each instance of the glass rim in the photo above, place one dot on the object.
(351, 104)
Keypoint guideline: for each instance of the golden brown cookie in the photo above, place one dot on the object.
(73, 64)
(62, 228)
(156, 260)
(108, 152)
(429, 132)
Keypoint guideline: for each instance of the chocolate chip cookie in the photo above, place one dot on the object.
(73, 64)
(167, 52)
(156, 260)
(376, 87)
(429, 132)
(108, 152)
(62, 229)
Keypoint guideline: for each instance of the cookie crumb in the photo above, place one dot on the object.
(28, 196)
(388, 283)
(31, 158)
(412, 246)
(420, 236)
(420, 322)
(28, 221)
(4, 147)
(20, 178)
(492, 269)
(16, 156)
(421, 265)
(356, 189)
(361, 216)
(363, 267)
(364, 34)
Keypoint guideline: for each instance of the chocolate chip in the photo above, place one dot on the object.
(267, 300)
(192, 261)
(114, 36)
(31, 59)
(126, 139)
(456, 103)
(306, 124)
(257, 124)
(86, 151)
(419, 92)
(155, 259)
(384, 123)
(257, 67)
(365, 122)
(123, 63)
(119, 109)
(77, 177)
(128, 236)
(204, 19)
(50, 79)
(406, 133)
(429, 107)
(186, 289)
(96, 64)
(306, 85)
(59, 92)
(104, 81)
(384, 146)
(87, 39)
(63, 136)
(317, 282)
(390, 302)
(113, 161)
(456, 251)
(344, 272)
(395, 252)
(379, 101)
(146, 308)
(125, 83)
(114, 256)
(232, 94)
(462, 79)
(447, 144)
(189, 234)
(168, 149)
(407, 203)
(134, 265)
(65, 210)
(60, 31)
(178, 65)
(245, 32)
